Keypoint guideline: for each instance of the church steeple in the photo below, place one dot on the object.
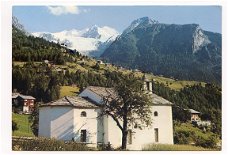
(147, 84)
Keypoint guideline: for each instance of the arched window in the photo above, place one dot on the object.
(83, 114)
(155, 113)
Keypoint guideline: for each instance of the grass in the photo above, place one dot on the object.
(68, 91)
(21, 63)
(23, 125)
(18, 63)
(174, 84)
(177, 85)
(166, 147)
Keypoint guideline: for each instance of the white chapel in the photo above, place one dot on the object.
(78, 118)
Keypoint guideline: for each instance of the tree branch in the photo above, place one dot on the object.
(115, 119)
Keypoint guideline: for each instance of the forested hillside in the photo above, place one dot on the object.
(181, 51)
(29, 48)
(206, 99)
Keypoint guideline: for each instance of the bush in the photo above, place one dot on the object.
(186, 133)
(44, 144)
(181, 138)
(14, 126)
(105, 147)
(206, 141)
(183, 134)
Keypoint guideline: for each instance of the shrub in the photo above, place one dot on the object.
(105, 147)
(181, 138)
(206, 141)
(14, 126)
(44, 144)
(186, 133)
(183, 135)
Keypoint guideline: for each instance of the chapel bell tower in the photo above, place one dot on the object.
(147, 84)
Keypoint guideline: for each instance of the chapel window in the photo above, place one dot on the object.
(83, 114)
(155, 113)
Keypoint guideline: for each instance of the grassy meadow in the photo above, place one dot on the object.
(68, 91)
(23, 125)
(166, 147)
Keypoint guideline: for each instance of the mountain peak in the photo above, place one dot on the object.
(102, 33)
(89, 41)
(143, 21)
(94, 27)
(92, 32)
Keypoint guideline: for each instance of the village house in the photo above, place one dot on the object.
(23, 103)
(194, 115)
(100, 62)
(49, 63)
(78, 118)
(195, 118)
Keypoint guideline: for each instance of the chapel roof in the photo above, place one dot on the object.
(158, 100)
(74, 101)
(103, 92)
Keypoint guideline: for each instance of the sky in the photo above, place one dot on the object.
(59, 18)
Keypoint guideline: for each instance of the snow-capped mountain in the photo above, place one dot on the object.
(90, 41)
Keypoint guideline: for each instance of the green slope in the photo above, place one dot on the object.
(23, 125)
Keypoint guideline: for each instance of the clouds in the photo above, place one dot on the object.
(61, 10)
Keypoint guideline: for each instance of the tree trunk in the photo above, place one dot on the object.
(124, 134)
(124, 140)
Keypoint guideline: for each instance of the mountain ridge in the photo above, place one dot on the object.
(182, 51)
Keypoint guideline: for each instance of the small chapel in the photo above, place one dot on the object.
(76, 118)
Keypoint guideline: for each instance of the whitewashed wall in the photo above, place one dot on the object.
(108, 131)
(114, 133)
(88, 123)
(65, 123)
(164, 124)
(91, 95)
(56, 122)
(164, 121)
(44, 122)
(100, 129)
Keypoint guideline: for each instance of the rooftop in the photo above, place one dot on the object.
(193, 111)
(74, 101)
(25, 97)
(160, 100)
(103, 91)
